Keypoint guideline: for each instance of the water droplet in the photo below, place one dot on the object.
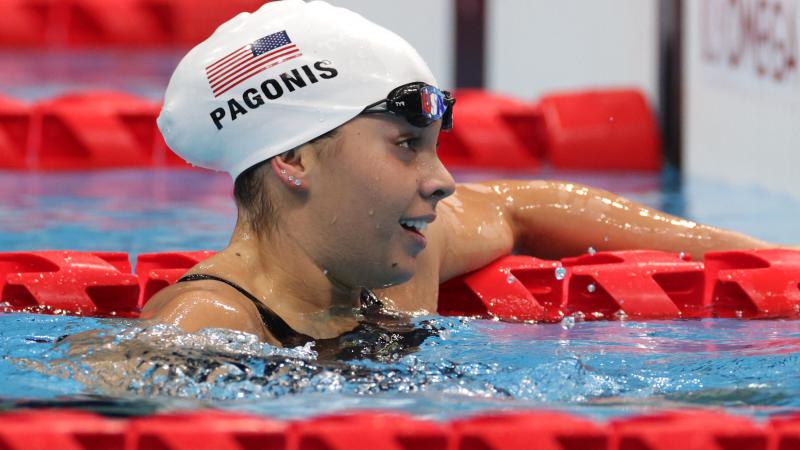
(561, 273)
(591, 288)
(739, 314)
(591, 251)
(621, 315)
(605, 238)
(324, 271)
(510, 279)
(568, 322)
(371, 212)
(682, 255)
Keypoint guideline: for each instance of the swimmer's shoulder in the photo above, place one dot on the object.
(200, 304)
(473, 227)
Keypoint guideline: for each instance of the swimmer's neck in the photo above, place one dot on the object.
(276, 266)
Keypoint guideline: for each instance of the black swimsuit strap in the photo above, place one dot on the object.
(275, 325)
(379, 336)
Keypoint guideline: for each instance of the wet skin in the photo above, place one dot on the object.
(340, 231)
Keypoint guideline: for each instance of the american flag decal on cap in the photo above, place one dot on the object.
(248, 60)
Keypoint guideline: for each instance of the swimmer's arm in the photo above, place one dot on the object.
(549, 219)
(553, 219)
(195, 309)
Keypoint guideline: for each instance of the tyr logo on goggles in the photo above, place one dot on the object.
(419, 103)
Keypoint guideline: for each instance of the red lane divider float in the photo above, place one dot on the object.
(158, 270)
(70, 282)
(515, 288)
(97, 130)
(612, 129)
(489, 133)
(117, 23)
(760, 283)
(528, 430)
(605, 130)
(691, 430)
(206, 430)
(687, 430)
(370, 430)
(640, 285)
(59, 429)
(785, 431)
(15, 118)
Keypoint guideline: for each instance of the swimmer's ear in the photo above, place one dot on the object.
(290, 168)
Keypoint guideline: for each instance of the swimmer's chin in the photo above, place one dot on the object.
(394, 280)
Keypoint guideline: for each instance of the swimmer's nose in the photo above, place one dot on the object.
(440, 184)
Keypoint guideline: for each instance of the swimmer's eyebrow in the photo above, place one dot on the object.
(409, 134)
(406, 132)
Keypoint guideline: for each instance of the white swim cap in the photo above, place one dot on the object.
(272, 80)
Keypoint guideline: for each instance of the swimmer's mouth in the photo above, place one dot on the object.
(417, 225)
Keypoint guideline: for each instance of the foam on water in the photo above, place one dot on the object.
(595, 368)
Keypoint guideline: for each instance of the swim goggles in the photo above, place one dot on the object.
(419, 103)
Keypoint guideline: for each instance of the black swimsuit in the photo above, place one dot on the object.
(380, 335)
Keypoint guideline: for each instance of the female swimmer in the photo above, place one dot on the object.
(328, 124)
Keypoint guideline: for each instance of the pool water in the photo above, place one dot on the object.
(599, 369)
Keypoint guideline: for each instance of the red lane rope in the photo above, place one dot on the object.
(635, 285)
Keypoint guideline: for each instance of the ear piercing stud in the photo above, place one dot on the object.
(291, 178)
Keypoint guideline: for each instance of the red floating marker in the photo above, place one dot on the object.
(70, 282)
(488, 133)
(15, 118)
(96, 130)
(207, 430)
(195, 20)
(642, 284)
(63, 430)
(753, 283)
(689, 430)
(600, 130)
(118, 23)
(369, 431)
(785, 431)
(528, 430)
(158, 270)
(511, 288)
(27, 23)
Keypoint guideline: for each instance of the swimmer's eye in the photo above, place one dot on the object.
(410, 143)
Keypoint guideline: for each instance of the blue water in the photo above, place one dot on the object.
(600, 369)
(593, 368)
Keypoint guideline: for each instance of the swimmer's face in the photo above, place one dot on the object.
(383, 176)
